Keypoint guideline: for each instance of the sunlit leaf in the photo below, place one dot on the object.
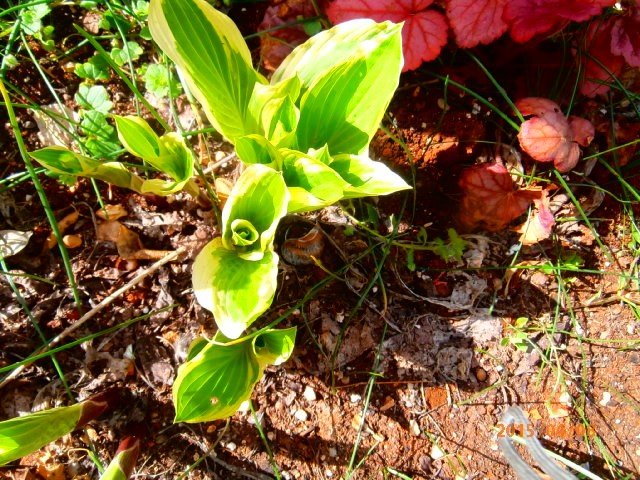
(528, 18)
(490, 199)
(549, 136)
(367, 177)
(424, 32)
(235, 290)
(312, 175)
(214, 58)
(62, 161)
(476, 21)
(215, 381)
(349, 74)
(23, 435)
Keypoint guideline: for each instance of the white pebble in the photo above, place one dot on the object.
(355, 398)
(309, 394)
(231, 446)
(301, 415)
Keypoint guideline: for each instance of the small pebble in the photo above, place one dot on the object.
(301, 415)
(415, 428)
(355, 398)
(606, 398)
(309, 394)
(231, 446)
(436, 452)
(481, 374)
(333, 452)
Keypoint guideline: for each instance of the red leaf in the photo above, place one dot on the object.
(274, 50)
(424, 32)
(535, 17)
(598, 42)
(625, 36)
(539, 224)
(489, 198)
(476, 21)
(549, 136)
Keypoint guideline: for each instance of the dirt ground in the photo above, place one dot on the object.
(395, 369)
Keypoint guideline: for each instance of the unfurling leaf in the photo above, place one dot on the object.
(218, 377)
(259, 199)
(235, 277)
(549, 136)
(476, 21)
(424, 32)
(490, 199)
(122, 465)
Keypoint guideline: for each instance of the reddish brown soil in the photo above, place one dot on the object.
(413, 380)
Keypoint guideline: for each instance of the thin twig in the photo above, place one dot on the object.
(99, 307)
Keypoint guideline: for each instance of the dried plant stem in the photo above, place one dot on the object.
(98, 308)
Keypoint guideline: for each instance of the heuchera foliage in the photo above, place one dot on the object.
(490, 198)
(424, 32)
(609, 44)
(473, 22)
(549, 136)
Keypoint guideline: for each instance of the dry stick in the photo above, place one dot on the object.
(106, 301)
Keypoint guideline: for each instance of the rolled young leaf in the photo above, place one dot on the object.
(137, 136)
(243, 233)
(259, 197)
(122, 465)
(213, 383)
(214, 57)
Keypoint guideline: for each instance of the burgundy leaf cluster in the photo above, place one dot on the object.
(473, 22)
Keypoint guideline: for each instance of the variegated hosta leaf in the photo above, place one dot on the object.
(214, 382)
(312, 183)
(214, 57)
(349, 74)
(235, 290)
(65, 162)
(23, 435)
(259, 197)
(366, 177)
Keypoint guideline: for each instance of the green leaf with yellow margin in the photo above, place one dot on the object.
(214, 57)
(212, 385)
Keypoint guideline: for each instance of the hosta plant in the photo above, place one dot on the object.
(304, 136)
(167, 154)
